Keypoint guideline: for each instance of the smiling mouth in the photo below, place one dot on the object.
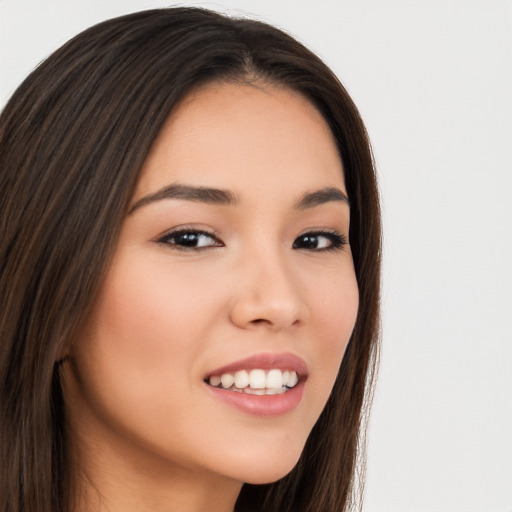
(256, 381)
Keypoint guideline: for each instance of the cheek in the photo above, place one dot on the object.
(151, 316)
(337, 312)
(142, 337)
(334, 300)
(136, 359)
(334, 311)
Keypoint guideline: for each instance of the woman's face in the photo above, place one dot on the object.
(232, 264)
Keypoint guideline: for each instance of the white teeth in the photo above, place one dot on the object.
(215, 380)
(292, 380)
(241, 379)
(227, 380)
(257, 379)
(274, 379)
(256, 382)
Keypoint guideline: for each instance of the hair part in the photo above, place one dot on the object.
(73, 139)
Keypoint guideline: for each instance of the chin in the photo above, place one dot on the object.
(268, 477)
(267, 471)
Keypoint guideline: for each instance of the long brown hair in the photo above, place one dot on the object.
(73, 138)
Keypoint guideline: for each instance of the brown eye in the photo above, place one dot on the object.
(320, 241)
(190, 239)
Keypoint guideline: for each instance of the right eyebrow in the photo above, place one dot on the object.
(187, 193)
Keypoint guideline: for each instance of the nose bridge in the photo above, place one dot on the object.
(269, 292)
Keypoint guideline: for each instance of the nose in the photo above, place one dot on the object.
(267, 295)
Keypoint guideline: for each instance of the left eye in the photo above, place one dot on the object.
(320, 241)
(189, 239)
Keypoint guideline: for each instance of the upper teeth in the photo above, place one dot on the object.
(256, 379)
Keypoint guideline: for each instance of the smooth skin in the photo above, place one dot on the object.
(255, 274)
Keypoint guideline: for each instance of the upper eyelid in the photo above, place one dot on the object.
(325, 232)
(166, 239)
(188, 229)
(320, 231)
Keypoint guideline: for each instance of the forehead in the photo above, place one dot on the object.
(241, 137)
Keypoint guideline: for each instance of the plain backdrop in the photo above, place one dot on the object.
(433, 81)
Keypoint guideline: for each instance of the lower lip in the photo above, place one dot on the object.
(265, 406)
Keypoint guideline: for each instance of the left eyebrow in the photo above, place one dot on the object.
(322, 196)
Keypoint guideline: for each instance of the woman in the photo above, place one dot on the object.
(189, 276)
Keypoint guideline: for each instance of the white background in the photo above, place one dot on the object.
(433, 80)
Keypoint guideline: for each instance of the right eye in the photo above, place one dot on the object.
(190, 239)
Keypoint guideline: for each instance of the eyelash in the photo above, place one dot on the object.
(167, 239)
(337, 240)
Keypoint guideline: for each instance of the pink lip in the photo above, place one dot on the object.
(266, 361)
(266, 406)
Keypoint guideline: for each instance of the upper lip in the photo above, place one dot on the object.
(266, 361)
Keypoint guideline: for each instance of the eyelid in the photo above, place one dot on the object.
(164, 238)
(338, 239)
